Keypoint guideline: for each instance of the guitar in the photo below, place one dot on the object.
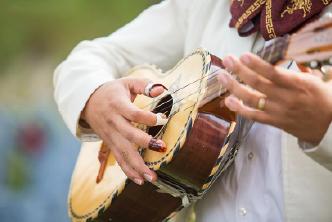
(202, 138)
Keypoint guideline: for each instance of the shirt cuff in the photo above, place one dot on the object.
(308, 147)
(72, 103)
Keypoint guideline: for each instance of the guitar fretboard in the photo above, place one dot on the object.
(276, 51)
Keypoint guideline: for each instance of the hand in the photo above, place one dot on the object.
(299, 103)
(110, 111)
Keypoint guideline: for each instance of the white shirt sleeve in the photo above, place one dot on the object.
(321, 153)
(156, 36)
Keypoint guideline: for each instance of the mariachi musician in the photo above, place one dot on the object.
(283, 168)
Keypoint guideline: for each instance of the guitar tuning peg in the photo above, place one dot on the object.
(313, 64)
(327, 74)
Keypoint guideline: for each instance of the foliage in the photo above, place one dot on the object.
(39, 28)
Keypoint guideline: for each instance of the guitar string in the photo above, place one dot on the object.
(210, 76)
(181, 109)
(209, 94)
(268, 49)
(193, 93)
(212, 93)
(188, 96)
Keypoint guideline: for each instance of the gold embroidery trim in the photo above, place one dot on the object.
(269, 22)
(256, 5)
(326, 2)
(304, 5)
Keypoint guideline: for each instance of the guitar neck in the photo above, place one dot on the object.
(276, 51)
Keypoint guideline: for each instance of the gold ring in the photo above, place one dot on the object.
(261, 104)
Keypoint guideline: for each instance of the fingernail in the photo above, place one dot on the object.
(150, 86)
(231, 103)
(139, 182)
(245, 59)
(229, 63)
(157, 145)
(148, 177)
(223, 79)
(161, 119)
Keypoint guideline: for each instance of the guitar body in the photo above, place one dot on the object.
(197, 138)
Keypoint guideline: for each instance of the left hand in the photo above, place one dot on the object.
(299, 103)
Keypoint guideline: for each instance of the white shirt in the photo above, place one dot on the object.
(252, 189)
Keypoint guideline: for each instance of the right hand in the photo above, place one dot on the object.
(110, 111)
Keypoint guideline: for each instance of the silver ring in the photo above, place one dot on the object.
(148, 89)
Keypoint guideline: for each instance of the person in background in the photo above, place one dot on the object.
(273, 178)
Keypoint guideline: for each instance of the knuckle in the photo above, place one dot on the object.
(232, 84)
(139, 166)
(109, 121)
(135, 115)
(111, 103)
(122, 163)
(275, 75)
(236, 68)
(289, 103)
(252, 101)
(130, 135)
(129, 173)
(255, 82)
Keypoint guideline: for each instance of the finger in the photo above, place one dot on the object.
(303, 68)
(123, 163)
(137, 136)
(249, 96)
(127, 169)
(264, 69)
(132, 158)
(132, 113)
(138, 86)
(306, 70)
(247, 75)
(237, 106)
(156, 90)
(317, 73)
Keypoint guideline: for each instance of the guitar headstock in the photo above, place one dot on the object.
(311, 46)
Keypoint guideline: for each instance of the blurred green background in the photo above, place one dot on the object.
(37, 152)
